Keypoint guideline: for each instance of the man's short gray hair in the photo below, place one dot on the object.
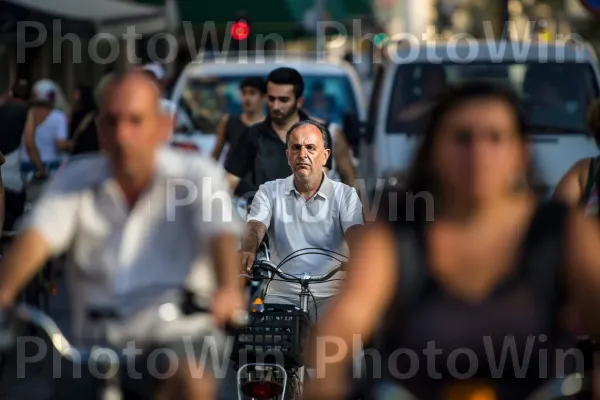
(322, 128)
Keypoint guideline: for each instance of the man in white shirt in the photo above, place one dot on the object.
(306, 209)
(133, 239)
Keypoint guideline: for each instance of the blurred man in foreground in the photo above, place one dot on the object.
(129, 247)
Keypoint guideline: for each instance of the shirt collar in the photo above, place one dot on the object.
(325, 190)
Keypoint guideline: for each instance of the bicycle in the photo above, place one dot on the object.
(23, 317)
(278, 331)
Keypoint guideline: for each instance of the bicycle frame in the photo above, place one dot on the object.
(305, 293)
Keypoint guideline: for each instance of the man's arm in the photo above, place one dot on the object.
(62, 134)
(30, 146)
(343, 160)
(221, 131)
(47, 231)
(220, 233)
(259, 220)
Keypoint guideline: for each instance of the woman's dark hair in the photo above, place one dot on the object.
(422, 176)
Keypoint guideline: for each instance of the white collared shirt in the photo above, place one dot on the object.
(294, 224)
(134, 259)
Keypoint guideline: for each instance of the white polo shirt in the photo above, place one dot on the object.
(134, 260)
(294, 223)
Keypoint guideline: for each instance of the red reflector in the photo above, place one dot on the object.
(262, 390)
(186, 146)
(240, 30)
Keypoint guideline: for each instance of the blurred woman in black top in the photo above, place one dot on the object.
(484, 268)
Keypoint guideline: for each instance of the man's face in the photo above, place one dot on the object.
(252, 99)
(131, 126)
(306, 152)
(282, 102)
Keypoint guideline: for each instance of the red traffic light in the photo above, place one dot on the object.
(240, 30)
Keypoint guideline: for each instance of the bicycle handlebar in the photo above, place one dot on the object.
(81, 355)
(307, 279)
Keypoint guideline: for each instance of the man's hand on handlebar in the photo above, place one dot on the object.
(247, 260)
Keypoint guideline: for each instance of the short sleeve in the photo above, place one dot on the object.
(62, 127)
(241, 156)
(215, 213)
(261, 209)
(351, 210)
(329, 163)
(54, 214)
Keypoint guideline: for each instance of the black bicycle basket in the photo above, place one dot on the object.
(274, 336)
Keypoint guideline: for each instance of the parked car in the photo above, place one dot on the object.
(556, 82)
(206, 91)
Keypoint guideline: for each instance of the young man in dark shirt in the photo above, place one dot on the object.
(232, 127)
(259, 155)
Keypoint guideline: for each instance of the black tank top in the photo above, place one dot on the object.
(234, 129)
(520, 315)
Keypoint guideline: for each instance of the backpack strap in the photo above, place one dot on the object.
(544, 254)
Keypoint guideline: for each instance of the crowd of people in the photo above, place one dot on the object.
(488, 260)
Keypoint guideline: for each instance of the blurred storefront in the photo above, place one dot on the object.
(71, 42)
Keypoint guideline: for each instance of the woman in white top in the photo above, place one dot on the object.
(46, 134)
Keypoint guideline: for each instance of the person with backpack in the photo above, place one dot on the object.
(480, 270)
(579, 186)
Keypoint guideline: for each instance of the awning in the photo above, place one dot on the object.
(104, 16)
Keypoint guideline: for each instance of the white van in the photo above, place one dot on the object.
(557, 83)
(206, 91)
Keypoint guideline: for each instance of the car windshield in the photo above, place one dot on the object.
(205, 100)
(555, 96)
